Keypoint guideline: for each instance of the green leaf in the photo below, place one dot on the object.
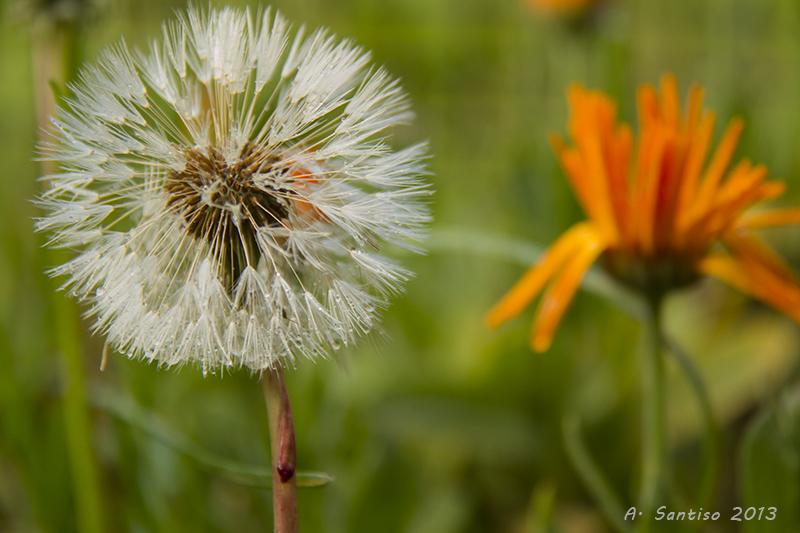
(525, 253)
(126, 409)
(770, 467)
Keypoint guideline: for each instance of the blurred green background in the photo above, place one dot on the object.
(437, 425)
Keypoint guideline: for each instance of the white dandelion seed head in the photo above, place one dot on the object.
(228, 190)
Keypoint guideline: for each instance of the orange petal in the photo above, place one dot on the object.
(578, 178)
(559, 295)
(597, 175)
(588, 163)
(532, 282)
(769, 191)
(718, 164)
(758, 283)
(751, 250)
(668, 190)
(772, 218)
(670, 101)
(647, 138)
(743, 177)
(618, 182)
(648, 193)
(647, 101)
(577, 97)
(727, 269)
(736, 197)
(694, 108)
(742, 188)
(574, 168)
(698, 150)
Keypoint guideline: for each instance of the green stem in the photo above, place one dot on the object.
(55, 62)
(653, 447)
(597, 484)
(54, 51)
(283, 449)
(85, 485)
(710, 464)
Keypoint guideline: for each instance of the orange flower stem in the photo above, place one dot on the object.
(283, 449)
(653, 444)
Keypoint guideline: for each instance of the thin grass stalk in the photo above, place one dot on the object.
(53, 62)
(83, 469)
(710, 458)
(592, 477)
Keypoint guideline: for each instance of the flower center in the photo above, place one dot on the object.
(650, 275)
(226, 202)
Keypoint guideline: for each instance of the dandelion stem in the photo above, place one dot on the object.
(708, 474)
(283, 449)
(653, 448)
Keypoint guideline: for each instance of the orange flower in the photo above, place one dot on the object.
(655, 213)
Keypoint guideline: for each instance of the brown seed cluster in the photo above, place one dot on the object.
(222, 203)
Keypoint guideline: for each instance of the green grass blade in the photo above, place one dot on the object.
(127, 410)
(525, 253)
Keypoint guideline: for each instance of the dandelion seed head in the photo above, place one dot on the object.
(228, 191)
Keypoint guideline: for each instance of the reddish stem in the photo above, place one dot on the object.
(283, 448)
